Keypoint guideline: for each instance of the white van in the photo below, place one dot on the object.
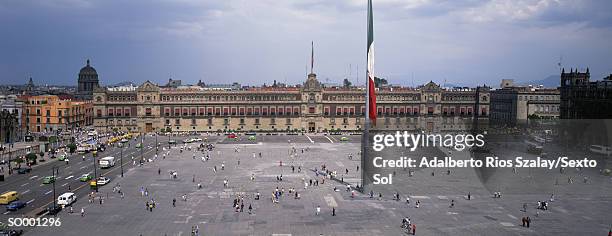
(66, 199)
(107, 162)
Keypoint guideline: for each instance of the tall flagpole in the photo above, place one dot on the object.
(369, 74)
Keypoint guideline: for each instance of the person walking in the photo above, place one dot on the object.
(333, 211)
(250, 209)
(318, 210)
(82, 212)
(413, 229)
(173, 202)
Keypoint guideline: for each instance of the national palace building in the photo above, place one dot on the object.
(309, 107)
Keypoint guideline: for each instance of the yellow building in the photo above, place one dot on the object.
(48, 113)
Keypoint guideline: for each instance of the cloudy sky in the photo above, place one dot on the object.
(257, 41)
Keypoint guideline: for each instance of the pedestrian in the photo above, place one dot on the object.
(173, 202)
(452, 203)
(250, 209)
(413, 229)
(333, 211)
(318, 210)
(528, 221)
(241, 206)
(82, 212)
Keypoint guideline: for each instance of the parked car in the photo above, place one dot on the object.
(48, 179)
(62, 157)
(11, 232)
(24, 170)
(344, 139)
(15, 205)
(252, 138)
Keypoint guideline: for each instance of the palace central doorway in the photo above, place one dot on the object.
(311, 127)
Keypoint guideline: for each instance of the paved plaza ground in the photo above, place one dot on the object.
(579, 208)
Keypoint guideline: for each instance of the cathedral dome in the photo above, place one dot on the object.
(88, 70)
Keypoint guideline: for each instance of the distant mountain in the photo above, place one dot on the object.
(552, 81)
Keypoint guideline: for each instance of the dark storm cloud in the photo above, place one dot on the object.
(252, 42)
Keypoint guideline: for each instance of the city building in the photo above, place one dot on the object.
(49, 113)
(512, 105)
(9, 127)
(11, 108)
(87, 82)
(585, 99)
(310, 107)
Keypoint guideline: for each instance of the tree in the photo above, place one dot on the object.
(379, 82)
(346, 83)
(71, 147)
(31, 157)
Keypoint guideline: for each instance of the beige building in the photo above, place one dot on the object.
(516, 104)
(309, 107)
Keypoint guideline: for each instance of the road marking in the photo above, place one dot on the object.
(420, 197)
(329, 139)
(443, 197)
(42, 185)
(47, 193)
(33, 177)
(513, 217)
(83, 167)
(331, 202)
(24, 192)
(30, 201)
(5, 212)
(69, 177)
(309, 139)
(24, 184)
(507, 224)
(64, 184)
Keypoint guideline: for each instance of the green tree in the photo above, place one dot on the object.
(31, 157)
(71, 147)
(346, 83)
(379, 82)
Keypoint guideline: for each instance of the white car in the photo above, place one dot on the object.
(103, 180)
(124, 140)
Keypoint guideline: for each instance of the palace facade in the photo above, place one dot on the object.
(309, 107)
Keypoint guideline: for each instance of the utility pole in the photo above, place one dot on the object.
(95, 171)
(142, 147)
(53, 174)
(121, 150)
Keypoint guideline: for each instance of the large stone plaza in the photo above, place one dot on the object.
(579, 208)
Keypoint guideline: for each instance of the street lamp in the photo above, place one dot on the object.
(53, 174)
(142, 147)
(121, 151)
(95, 171)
